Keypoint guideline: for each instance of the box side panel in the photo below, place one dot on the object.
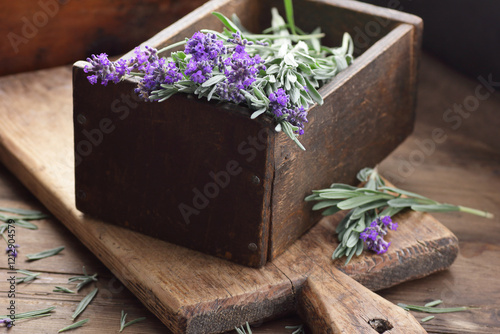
(184, 170)
(367, 113)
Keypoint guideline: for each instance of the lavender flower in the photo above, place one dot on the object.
(205, 47)
(11, 250)
(278, 102)
(241, 71)
(199, 71)
(106, 70)
(279, 106)
(157, 71)
(297, 117)
(373, 236)
(7, 322)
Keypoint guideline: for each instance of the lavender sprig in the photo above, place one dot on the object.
(371, 208)
(124, 324)
(239, 67)
(84, 279)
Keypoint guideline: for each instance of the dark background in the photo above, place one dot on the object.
(464, 34)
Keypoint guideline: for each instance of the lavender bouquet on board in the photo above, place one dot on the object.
(276, 73)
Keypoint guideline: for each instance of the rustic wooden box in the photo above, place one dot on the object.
(139, 165)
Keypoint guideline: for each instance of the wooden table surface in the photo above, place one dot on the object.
(459, 164)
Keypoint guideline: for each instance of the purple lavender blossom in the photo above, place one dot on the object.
(156, 72)
(373, 236)
(102, 68)
(241, 72)
(297, 117)
(199, 71)
(205, 47)
(11, 250)
(279, 103)
(7, 322)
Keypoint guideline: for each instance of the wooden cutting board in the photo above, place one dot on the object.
(196, 293)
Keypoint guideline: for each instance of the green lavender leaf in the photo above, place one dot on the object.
(84, 303)
(356, 201)
(23, 212)
(299, 329)
(434, 207)
(433, 303)
(424, 309)
(32, 314)
(29, 276)
(403, 192)
(324, 204)
(242, 329)
(289, 15)
(44, 254)
(313, 92)
(73, 326)
(84, 279)
(25, 224)
(427, 318)
(213, 80)
(123, 320)
(63, 289)
(227, 22)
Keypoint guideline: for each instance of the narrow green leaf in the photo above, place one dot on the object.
(424, 309)
(313, 92)
(257, 113)
(359, 211)
(23, 212)
(353, 240)
(330, 211)
(357, 201)
(313, 197)
(25, 224)
(62, 289)
(44, 254)
(407, 202)
(434, 207)
(73, 326)
(342, 186)
(84, 303)
(427, 318)
(227, 22)
(403, 192)
(123, 319)
(32, 314)
(29, 276)
(213, 80)
(339, 194)
(289, 15)
(390, 211)
(433, 303)
(324, 204)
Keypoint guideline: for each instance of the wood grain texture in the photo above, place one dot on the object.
(190, 292)
(48, 33)
(341, 305)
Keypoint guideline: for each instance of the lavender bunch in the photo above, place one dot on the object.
(371, 208)
(276, 73)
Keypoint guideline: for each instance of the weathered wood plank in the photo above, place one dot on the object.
(51, 33)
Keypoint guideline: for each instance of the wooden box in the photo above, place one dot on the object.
(206, 176)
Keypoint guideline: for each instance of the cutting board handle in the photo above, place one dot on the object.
(332, 302)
